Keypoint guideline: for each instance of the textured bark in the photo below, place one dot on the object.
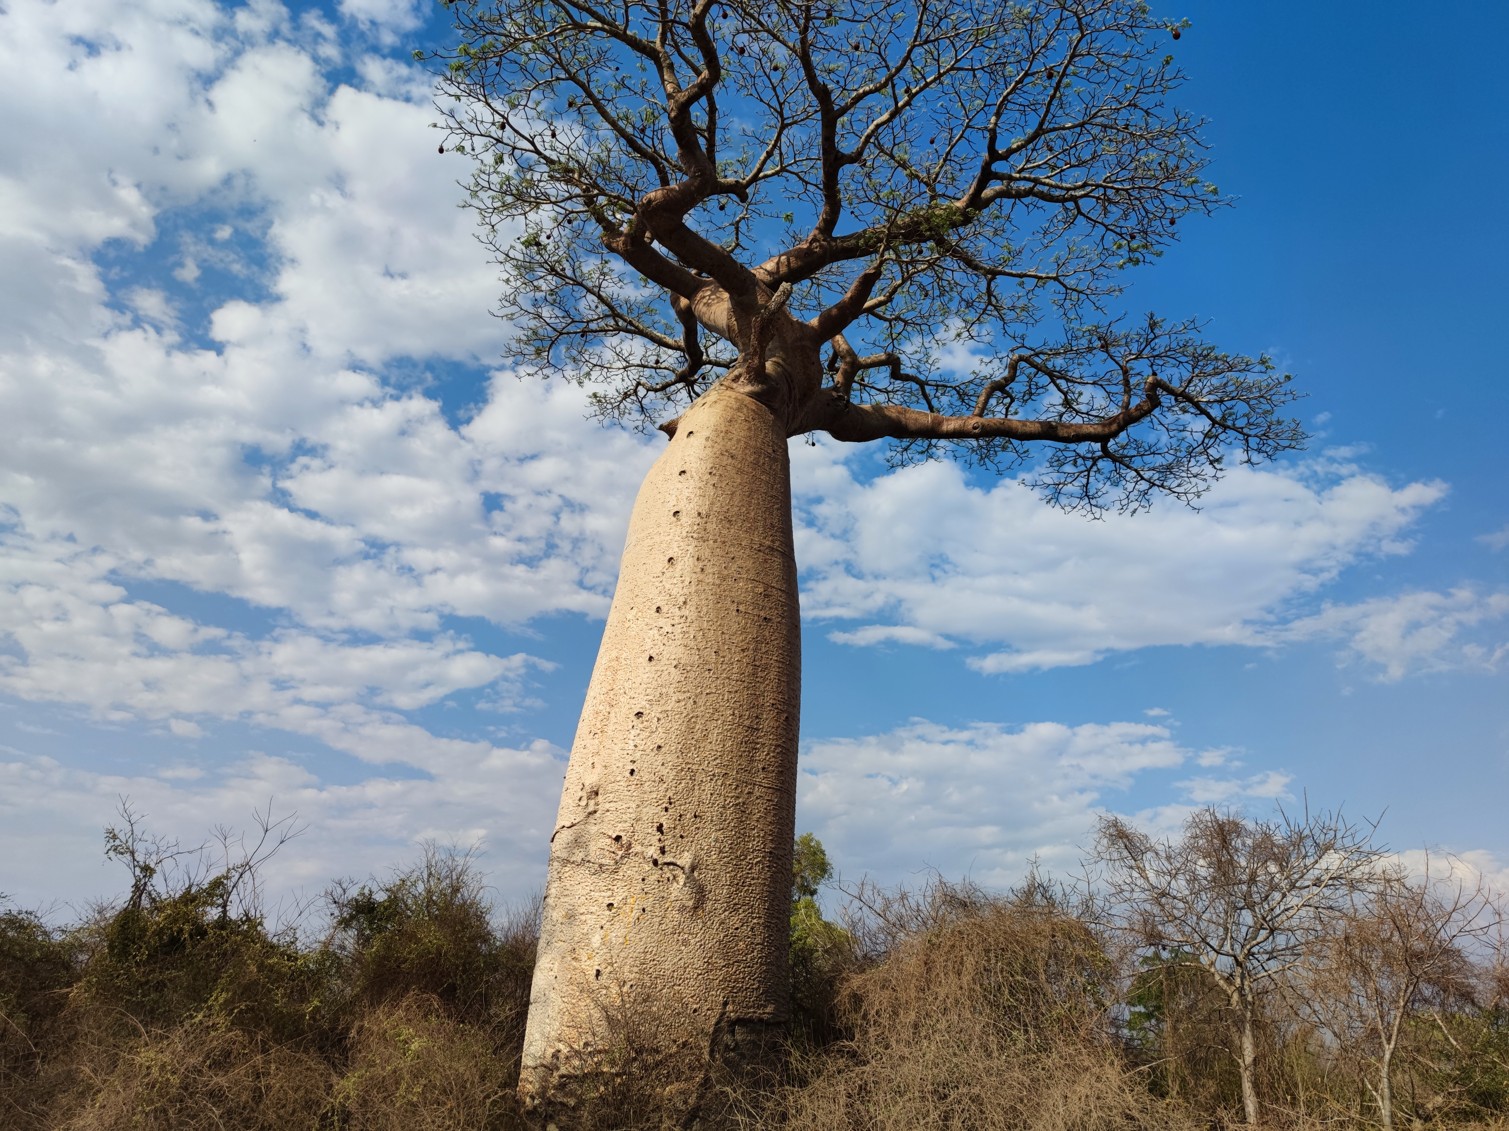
(670, 873)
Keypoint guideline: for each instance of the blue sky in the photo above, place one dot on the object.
(278, 524)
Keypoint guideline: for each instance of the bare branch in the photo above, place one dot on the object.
(932, 179)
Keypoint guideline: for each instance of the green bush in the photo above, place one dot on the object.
(431, 931)
(180, 1008)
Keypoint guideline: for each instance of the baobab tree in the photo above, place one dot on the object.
(748, 220)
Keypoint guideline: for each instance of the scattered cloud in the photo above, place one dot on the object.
(1032, 588)
(387, 17)
(78, 639)
(892, 634)
(236, 416)
(501, 801)
(1459, 630)
(1219, 756)
(987, 799)
(1270, 785)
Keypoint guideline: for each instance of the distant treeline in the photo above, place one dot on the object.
(1285, 973)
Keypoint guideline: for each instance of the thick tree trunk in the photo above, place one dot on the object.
(667, 905)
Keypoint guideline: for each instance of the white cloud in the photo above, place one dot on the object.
(1271, 784)
(892, 634)
(1458, 630)
(994, 567)
(983, 799)
(1035, 659)
(1454, 873)
(279, 468)
(1496, 540)
(80, 640)
(153, 305)
(387, 17)
(500, 800)
(1220, 756)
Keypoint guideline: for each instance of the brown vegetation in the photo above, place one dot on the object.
(400, 1006)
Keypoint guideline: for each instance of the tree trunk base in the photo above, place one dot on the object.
(647, 1081)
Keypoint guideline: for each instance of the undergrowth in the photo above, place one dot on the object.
(398, 1004)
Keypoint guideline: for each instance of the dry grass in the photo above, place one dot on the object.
(982, 1014)
(199, 1076)
(414, 1068)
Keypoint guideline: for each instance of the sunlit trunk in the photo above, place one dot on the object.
(1248, 1066)
(1386, 1090)
(669, 890)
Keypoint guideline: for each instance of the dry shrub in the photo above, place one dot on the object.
(201, 1075)
(413, 1067)
(37, 964)
(977, 1013)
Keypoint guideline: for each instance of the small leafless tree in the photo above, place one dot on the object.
(1407, 949)
(226, 872)
(1244, 902)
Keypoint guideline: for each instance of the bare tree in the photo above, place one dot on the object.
(777, 217)
(1403, 952)
(1243, 902)
(163, 867)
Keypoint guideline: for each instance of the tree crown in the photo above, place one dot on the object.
(909, 216)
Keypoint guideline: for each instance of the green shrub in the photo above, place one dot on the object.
(430, 931)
